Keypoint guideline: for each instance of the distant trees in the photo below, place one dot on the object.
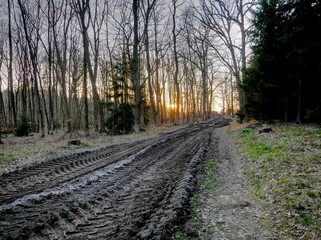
(70, 63)
(282, 78)
(198, 54)
(90, 16)
(228, 23)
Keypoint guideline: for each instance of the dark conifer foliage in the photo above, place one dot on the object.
(121, 120)
(283, 78)
(23, 127)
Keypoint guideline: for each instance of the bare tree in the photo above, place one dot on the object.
(60, 21)
(88, 17)
(50, 15)
(197, 38)
(33, 44)
(147, 10)
(160, 50)
(175, 33)
(23, 67)
(227, 21)
(129, 52)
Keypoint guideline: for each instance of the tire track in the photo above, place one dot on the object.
(137, 193)
(47, 175)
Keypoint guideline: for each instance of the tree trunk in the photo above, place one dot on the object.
(85, 99)
(177, 112)
(232, 95)
(298, 116)
(12, 109)
(149, 80)
(147, 14)
(157, 83)
(1, 99)
(82, 9)
(135, 71)
(50, 102)
(205, 86)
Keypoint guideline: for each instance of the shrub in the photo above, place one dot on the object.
(23, 127)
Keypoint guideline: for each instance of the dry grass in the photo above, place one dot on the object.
(284, 168)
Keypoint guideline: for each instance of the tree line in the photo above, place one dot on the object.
(282, 78)
(71, 63)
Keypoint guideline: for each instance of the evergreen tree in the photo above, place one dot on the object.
(280, 81)
(121, 120)
(23, 127)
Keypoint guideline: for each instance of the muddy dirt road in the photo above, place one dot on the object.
(134, 190)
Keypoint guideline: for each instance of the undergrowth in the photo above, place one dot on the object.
(284, 168)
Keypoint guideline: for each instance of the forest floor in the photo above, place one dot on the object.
(250, 185)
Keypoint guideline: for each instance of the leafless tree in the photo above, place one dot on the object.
(89, 17)
(229, 26)
(161, 46)
(175, 34)
(197, 38)
(60, 22)
(65, 60)
(31, 29)
(147, 9)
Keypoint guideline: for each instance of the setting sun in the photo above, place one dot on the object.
(172, 106)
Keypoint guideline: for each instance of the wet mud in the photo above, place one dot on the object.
(138, 190)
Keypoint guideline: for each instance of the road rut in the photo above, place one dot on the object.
(138, 190)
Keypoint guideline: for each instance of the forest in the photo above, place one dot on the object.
(282, 79)
(117, 66)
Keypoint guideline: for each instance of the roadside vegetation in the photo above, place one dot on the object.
(284, 169)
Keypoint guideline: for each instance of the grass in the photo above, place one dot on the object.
(181, 236)
(210, 177)
(284, 168)
(6, 158)
(10, 155)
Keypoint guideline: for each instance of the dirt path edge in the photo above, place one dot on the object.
(227, 210)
